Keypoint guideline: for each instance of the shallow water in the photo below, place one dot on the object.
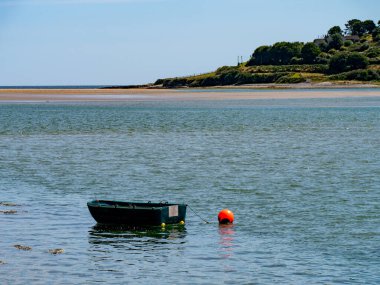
(301, 176)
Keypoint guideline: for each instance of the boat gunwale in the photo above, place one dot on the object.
(130, 205)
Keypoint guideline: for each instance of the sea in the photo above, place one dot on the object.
(302, 177)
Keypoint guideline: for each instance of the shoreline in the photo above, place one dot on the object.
(266, 91)
(321, 85)
(274, 86)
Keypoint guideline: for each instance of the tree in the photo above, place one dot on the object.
(349, 26)
(262, 55)
(323, 46)
(278, 54)
(309, 52)
(335, 42)
(369, 26)
(376, 34)
(283, 52)
(358, 29)
(335, 30)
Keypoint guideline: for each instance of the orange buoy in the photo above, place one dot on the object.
(225, 217)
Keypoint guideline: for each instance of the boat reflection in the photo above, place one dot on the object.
(113, 248)
(127, 235)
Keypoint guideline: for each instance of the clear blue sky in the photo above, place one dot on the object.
(96, 42)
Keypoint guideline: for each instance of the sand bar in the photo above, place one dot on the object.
(106, 95)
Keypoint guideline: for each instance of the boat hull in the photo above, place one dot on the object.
(130, 213)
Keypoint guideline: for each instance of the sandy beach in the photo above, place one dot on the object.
(67, 95)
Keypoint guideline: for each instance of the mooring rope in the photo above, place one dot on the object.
(199, 216)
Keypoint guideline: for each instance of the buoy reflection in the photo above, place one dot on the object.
(226, 232)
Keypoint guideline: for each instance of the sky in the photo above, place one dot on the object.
(121, 42)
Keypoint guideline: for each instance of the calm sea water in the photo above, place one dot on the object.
(301, 176)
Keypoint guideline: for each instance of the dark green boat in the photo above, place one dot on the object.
(130, 213)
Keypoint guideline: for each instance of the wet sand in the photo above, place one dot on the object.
(85, 95)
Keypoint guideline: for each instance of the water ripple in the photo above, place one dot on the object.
(302, 180)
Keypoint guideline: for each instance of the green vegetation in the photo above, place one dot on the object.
(281, 53)
(358, 75)
(310, 52)
(344, 61)
(352, 54)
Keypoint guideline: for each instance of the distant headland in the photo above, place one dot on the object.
(339, 58)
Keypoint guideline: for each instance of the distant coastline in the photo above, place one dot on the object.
(40, 87)
(303, 85)
(260, 86)
(186, 94)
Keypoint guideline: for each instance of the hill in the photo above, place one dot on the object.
(350, 56)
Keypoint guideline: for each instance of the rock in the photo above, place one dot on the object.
(2, 262)
(8, 212)
(8, 204)
(22, 247)
(56, 251)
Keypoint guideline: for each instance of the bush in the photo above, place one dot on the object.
(337, 63)
(356, 61)
(210, 81)
(235, 78)
(266, 77)
(229, 78)
(307, 68)
(348, 43)
(354, 47)
(254, 78)
(174, 82)
(244, 78)
(226, 69)
(333, 51)
(159, 82)
(291, 78)
(323, 47)
(376, 32)
(375, 60)
(373, 52)
(342, 62)
(363, 47)
(323, 58)
(360, 75)
(359, 47)
(195, 83)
